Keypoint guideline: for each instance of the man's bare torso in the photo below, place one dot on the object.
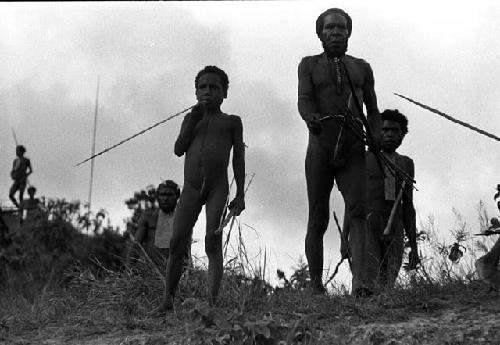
(330, 99)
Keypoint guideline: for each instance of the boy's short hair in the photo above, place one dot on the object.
(31, 188)
(216, 70)
(170, 184)
(395, 115)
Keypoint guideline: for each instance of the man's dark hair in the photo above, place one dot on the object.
(170, 184)
(31, 188)
(319, 21)
(216, 70)
(395, 115)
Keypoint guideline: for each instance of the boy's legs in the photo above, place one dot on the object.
(213, 242)
(186, 214)
(392, 260)
(371, 256)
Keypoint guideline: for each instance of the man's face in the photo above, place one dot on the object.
(167, 199)
(335, 34)
(392, 135)
(210, 91)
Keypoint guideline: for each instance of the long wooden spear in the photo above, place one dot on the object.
(448, 117)
(93, 144)
(14, 135)
(133, 136)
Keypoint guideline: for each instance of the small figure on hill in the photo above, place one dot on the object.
(32, 207)
(487, 266)
(326, 99)
(21, 169)
(155, 225)
(377, 255)
(206, 138)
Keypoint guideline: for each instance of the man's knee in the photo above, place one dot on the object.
(357, 211)
(178, 246)
(318, 218)
(213, 244)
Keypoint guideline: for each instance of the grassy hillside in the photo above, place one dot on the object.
(60, 286)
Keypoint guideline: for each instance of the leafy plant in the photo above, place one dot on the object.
(211, 326)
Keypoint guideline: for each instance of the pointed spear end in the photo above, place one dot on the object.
(78, 164)
(450, 118)
(399, 95)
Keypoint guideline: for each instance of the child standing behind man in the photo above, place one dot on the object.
(206, 138)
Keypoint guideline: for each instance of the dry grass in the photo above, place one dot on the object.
(116, 302)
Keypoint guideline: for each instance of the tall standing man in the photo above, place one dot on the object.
(333, 152)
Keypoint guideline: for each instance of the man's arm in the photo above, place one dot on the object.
(14, 164)
(370, 100)
(238, 166)
(306, 103)
(409, 217)
(139, 237)
(142, 228)
(29, 169)
(187, 131)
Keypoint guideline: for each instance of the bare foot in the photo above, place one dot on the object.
(318, 289)
(166, 307)
(212, 301)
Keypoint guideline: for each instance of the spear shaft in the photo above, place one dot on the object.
(133, 136)
(93, 144)
(14, 135)
(448, 117)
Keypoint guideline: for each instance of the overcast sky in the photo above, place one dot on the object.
(443, 53)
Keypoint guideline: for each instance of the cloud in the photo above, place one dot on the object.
(147, 58)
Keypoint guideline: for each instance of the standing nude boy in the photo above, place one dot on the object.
(206, 138)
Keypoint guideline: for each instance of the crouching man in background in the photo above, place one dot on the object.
(155, 225)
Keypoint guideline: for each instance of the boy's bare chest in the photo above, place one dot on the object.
(213, 127)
